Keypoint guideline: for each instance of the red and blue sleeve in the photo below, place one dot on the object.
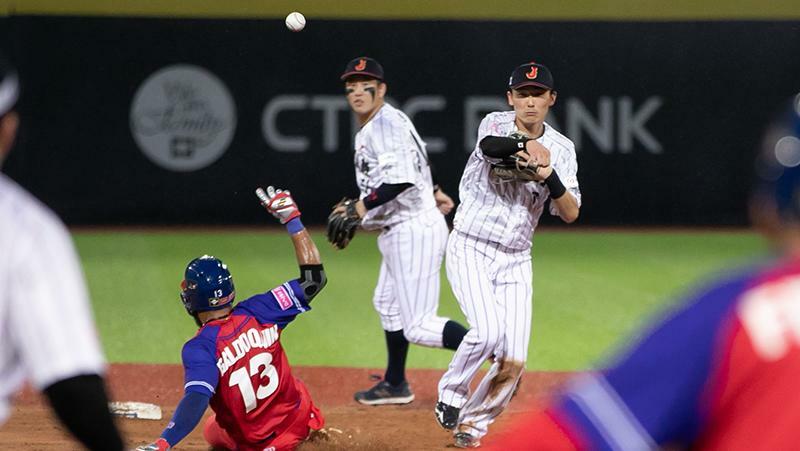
(654, 394)
(199, 362)
(278, 306)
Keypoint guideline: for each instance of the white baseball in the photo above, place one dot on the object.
(295, 21)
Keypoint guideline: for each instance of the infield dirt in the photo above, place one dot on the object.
(349, 426)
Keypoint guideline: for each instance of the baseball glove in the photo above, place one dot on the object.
(513, 167)
(343, 222)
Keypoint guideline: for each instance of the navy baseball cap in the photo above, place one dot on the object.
(363, 65)
(531, 74)
(9, 86)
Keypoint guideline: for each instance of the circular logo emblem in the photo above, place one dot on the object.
(183, 118)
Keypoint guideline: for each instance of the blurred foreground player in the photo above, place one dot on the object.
(721, 372)
(46, 328)
(236, 362)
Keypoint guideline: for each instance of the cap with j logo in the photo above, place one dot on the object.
(531, 74)
(364, 66)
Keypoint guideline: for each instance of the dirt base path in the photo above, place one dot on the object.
(348, 425)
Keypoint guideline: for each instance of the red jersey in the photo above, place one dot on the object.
(240, 362)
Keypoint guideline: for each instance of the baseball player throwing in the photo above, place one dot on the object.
(236, 362)
(489, 250)
(734, 386)
(399, 199)
(47, 334)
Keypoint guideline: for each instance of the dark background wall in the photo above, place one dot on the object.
(665, 115)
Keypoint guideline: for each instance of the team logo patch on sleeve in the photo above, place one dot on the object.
(571, 182)
(283, 297)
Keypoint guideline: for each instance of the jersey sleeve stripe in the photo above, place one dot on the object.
(201, 384)
(601, 405)
(295, 300)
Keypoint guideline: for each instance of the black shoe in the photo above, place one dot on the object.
(446, 415)
(385, 393)
(464, 440)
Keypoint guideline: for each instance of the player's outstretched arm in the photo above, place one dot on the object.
(186, 417)
(281, 205)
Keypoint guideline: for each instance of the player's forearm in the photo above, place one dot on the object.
(384, 193)
(501, 146)
(82, 405)
(312, 275)
(187, 415)
(567, 206)
(304, 248)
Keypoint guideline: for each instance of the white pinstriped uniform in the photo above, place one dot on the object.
(490, 271)
(46, 327)
(388, 149)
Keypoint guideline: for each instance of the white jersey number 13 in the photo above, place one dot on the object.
(241, 378)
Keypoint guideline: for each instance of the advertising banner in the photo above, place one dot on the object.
(177, 121)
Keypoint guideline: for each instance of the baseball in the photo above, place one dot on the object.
(295, 21)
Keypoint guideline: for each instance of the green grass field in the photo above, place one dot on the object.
(592, 290)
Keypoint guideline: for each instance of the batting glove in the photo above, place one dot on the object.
(158, 445)
(279, 203)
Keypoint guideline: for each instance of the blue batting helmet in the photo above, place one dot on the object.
(207, 285)
(778, 168)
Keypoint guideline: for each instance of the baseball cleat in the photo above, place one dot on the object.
(464, 440)
(385, 393)
(446, 415)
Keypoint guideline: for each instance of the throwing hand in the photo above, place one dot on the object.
(279, 203)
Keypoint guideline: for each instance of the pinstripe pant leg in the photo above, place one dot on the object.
(415, 264)
(513, 287)
(384, 299)
(470, 265)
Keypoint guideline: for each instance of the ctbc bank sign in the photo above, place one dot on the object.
(183, 118)
(613, 125)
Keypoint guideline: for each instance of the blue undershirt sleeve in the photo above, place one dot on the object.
(188, 413)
